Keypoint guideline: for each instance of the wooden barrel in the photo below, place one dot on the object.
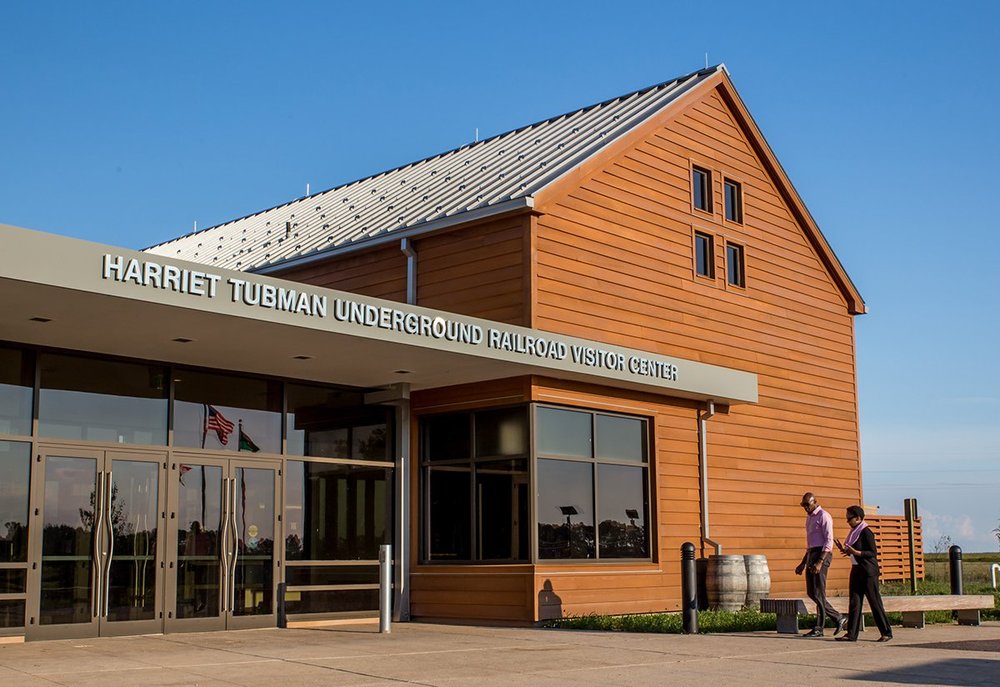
(758, 579)
(726, 582)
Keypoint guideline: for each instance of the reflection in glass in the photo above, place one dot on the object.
(621, 438)
(67, 540)
(212, 411)
(102, 400)
(502, 432)
(199, 522)
(132, 571)
(565, 510)
(622, 506)
(334, 423)
(17, 381)
(13, 580)
(15, 466)
(11, 614)
(502, 510)
(447, 437)
(563, 433)
(340, 601)
(254, 576)
(296, 576)
(334, 511)
(450, 514)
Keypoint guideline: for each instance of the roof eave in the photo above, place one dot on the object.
(514, 205)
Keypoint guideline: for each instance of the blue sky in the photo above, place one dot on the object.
(126, 122)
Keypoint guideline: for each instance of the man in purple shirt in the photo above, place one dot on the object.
(816, 563)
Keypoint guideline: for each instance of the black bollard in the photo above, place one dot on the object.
(282, 618)
(689, 589)
(955, 568)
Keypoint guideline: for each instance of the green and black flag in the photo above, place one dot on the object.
(246, 443)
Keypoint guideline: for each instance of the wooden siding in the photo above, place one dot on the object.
(478, 271)
(893, 541)
(379, 272)
(615, 263)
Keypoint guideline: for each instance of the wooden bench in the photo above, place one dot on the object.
(913, 608)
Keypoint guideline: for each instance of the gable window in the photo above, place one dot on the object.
(704, 255)
(735, 267)
(734, 201)
(701, 188)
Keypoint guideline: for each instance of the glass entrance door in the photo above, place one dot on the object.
(101, 543)
(222, 572)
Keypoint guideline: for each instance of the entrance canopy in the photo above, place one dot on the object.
(67, 293)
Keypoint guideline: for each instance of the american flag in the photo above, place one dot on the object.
(217, 422)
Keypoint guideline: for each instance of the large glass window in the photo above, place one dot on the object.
(335, 511)
(327, 422)
(15, 466)
(336, 516)
(226, 412)
(102, 400)
(592, 473)
(17, 382)
(475, 480)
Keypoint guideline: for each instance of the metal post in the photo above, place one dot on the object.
(910, 509)
(385, 588)
(955, 568)
(689, 589)
(282, 617)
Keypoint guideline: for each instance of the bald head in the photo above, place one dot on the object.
(809, 502)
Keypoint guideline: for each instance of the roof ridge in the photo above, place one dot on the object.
(603, 103)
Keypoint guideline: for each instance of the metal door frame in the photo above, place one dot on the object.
(225, 620)
(97, 626)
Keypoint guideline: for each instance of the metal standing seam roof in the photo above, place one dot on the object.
(475, 177)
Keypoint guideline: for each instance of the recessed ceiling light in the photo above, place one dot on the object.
(181, 339)
(41, 319)
(401, 372)
(302, 357)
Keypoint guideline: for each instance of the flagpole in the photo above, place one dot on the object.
(204, 423)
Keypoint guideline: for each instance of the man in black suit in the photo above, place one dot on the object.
(861, 548)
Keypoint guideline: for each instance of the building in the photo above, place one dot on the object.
(536, 365)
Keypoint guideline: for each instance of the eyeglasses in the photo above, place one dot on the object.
(806, 505)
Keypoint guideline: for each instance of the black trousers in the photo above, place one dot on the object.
(816, 586)
(864, 586)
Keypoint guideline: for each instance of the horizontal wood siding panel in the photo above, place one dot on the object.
(380, 273)
(893, 540)
(615, 263)
(477, 271)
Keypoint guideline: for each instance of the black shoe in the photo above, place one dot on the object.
(884, 638)
(841, 624)
(815, 632)
(847, 638)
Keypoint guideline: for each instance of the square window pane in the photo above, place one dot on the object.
(564, 433)
(17, 381)
(335, 512)
(622, 511)
(12, 614)
(621, 438)
(227, 412)
(502, 432)
(502, 510)
(102, 400)
(447, 437)
(318, 418)
(565, 510)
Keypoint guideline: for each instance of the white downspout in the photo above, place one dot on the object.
(703, 418)
(406, 245)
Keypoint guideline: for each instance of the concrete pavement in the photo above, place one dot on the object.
(448, 656)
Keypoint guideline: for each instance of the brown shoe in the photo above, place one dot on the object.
(884, 638)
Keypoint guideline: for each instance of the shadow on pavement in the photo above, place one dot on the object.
(992, 645)
(963, 672)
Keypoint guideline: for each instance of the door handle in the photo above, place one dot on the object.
(109, 493)
(236, 548)
(95, 564)
(224, 553)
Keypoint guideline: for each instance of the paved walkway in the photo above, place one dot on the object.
(441, 655)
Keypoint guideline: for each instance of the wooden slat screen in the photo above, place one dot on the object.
(893, 546)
